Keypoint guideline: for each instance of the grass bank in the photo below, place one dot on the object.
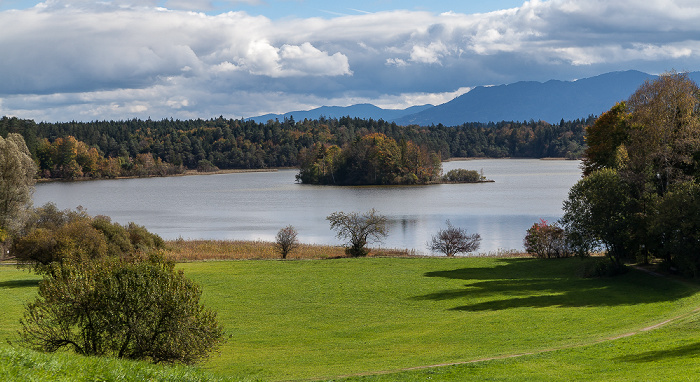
(325, 319)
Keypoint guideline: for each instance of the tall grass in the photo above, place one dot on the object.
(205, 250)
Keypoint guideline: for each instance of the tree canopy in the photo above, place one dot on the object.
(372, 159)
(146, 147)
(642, 170)
(17, 172)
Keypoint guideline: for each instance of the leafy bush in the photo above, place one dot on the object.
(52, 236)
(546, 241)
(598, 267)
(460, 175)
(135, 308)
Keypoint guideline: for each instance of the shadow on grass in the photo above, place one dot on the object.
(691, 350)
(19, 283)
(519, 283)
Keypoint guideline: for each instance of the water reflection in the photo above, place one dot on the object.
(254, 206)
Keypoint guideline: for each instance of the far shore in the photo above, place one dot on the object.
(274, 169)
(186, 173)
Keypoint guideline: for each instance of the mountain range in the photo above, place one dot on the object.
(549, 101)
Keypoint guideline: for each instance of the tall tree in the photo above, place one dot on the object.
(664, 132)
(17, 179)
(604, 138)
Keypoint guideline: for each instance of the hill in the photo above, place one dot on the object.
(549, 101)
(364, 111)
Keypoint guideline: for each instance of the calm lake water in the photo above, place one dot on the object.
(254, 206)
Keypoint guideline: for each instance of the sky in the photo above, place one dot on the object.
(83, 60)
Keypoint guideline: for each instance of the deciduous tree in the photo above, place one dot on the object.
(17, 178)
(453, 240)
(359, 229)
(286, 240)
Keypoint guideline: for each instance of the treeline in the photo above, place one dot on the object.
(239, 144)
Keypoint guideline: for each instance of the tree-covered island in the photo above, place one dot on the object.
(376, 159)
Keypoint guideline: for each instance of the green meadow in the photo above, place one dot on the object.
(391, 319)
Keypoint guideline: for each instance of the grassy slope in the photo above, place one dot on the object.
(322, 319)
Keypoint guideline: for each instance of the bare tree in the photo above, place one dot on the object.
(452, 240)
(359, 229)
(287, 240)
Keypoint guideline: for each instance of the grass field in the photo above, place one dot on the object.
(329, 319)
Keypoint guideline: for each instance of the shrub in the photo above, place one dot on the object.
(460, 175)
(136, 308)
(52, 236)
(546, 241)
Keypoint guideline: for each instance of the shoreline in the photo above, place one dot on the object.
(275, 169)
(186, 173)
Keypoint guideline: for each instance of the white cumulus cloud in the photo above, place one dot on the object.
(86, 59)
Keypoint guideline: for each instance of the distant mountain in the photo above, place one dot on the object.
(550, 101)
(364, 111)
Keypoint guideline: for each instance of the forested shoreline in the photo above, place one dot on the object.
(109, 149)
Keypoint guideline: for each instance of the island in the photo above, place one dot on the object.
(376, 159)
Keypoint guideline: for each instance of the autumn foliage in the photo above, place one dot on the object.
(374, 159)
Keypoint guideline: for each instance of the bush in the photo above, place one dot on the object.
(600, 268)
(460, 175)
(136, 308)
(546, 241)
(52, 236)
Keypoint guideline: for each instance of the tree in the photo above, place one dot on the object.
(664, 136)
(675, 228)
(453, 240)
(604, 137)
(138, 308)
(359, 229)
(17, 173)
(286, 240)
(601, 211)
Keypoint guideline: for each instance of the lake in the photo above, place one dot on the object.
(255, 205)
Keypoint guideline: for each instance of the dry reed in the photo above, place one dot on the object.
(181, 250)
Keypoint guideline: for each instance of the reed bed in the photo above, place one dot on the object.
(181, 250)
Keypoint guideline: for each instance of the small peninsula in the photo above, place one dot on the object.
(376, 159)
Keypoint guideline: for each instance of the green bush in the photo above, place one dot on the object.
(460, 175)
(135, 308)
(52, 236)
(546, 241)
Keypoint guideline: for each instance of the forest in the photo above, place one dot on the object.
(105, 149)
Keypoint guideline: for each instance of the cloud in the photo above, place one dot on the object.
(80, 59)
